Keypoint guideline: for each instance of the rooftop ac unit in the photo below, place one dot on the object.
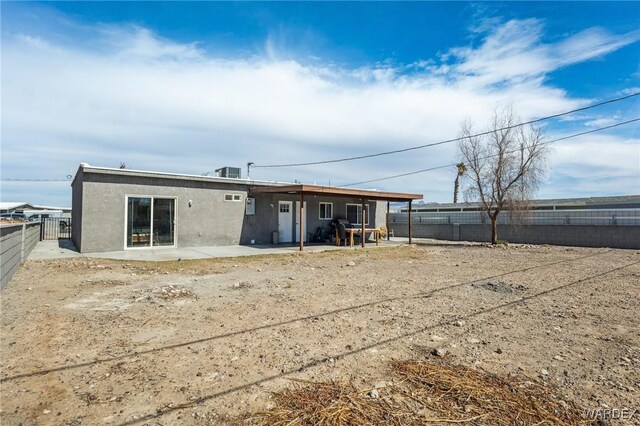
(229, 172)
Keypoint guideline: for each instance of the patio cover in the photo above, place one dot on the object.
(332, 191)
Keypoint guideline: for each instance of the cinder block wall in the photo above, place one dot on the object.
(439, 232)
(627, 237)
(16, 242)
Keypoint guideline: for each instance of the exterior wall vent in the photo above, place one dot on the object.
(229, 172)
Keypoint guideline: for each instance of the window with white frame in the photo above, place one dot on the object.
(233, 197)
(354, 214)
(326, 211)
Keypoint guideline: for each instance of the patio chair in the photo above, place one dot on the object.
(341, 234)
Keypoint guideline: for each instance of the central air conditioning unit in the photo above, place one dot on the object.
(229, 172)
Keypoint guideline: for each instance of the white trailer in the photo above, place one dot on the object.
(37, 215)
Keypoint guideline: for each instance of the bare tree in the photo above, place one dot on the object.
(504, 166)
(461, 169)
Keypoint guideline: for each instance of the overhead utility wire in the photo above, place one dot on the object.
(69, 177)
(35, 180)
(396, 151)
(490, 156)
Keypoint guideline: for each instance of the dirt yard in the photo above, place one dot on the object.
(88, 341)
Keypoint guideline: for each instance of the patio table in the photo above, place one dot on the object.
(352, 231)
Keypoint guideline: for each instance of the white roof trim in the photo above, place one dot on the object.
(131, 172)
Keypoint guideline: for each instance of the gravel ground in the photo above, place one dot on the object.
(88, 341)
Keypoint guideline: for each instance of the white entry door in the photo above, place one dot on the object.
(285, 220)
(304, 222)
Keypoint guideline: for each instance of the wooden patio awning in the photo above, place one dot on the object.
(334, 191)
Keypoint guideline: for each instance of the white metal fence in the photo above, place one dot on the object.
(622, 217)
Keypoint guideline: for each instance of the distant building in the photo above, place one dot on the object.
(34, 209)
(614, 202)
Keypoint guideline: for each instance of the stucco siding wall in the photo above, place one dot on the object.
(100, 203)
(210, 220)
(261, 226)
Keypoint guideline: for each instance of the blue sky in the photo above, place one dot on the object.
(189, 87)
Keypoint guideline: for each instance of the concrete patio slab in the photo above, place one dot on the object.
(65, 249)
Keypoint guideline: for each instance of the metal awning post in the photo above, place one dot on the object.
(300, 218)
(388, 229)
(410, 221)
(363, 222)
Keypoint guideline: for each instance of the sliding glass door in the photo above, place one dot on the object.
(150, 222)
(138, 222)
(163, 221)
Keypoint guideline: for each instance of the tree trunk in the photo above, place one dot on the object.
(456, 186)
(494, 229)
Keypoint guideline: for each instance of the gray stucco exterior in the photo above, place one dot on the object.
(203, 216)
(260, 226)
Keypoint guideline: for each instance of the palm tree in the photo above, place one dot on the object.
(462, 168)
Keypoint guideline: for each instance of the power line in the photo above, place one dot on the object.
(68, 178)
(397, 151)
(491, 156)
(35, 180)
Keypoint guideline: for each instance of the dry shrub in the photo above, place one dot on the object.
(425, 392)
(460, 392)
(324, 404)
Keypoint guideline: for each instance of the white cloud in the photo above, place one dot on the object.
(34, 41)
(159, 104)
(628, 91)
(140, 43)
(594, 164)
(589, 44)
(514, 51)
(597, 157)
(602, 122)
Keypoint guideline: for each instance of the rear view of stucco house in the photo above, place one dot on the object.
(120, 209)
